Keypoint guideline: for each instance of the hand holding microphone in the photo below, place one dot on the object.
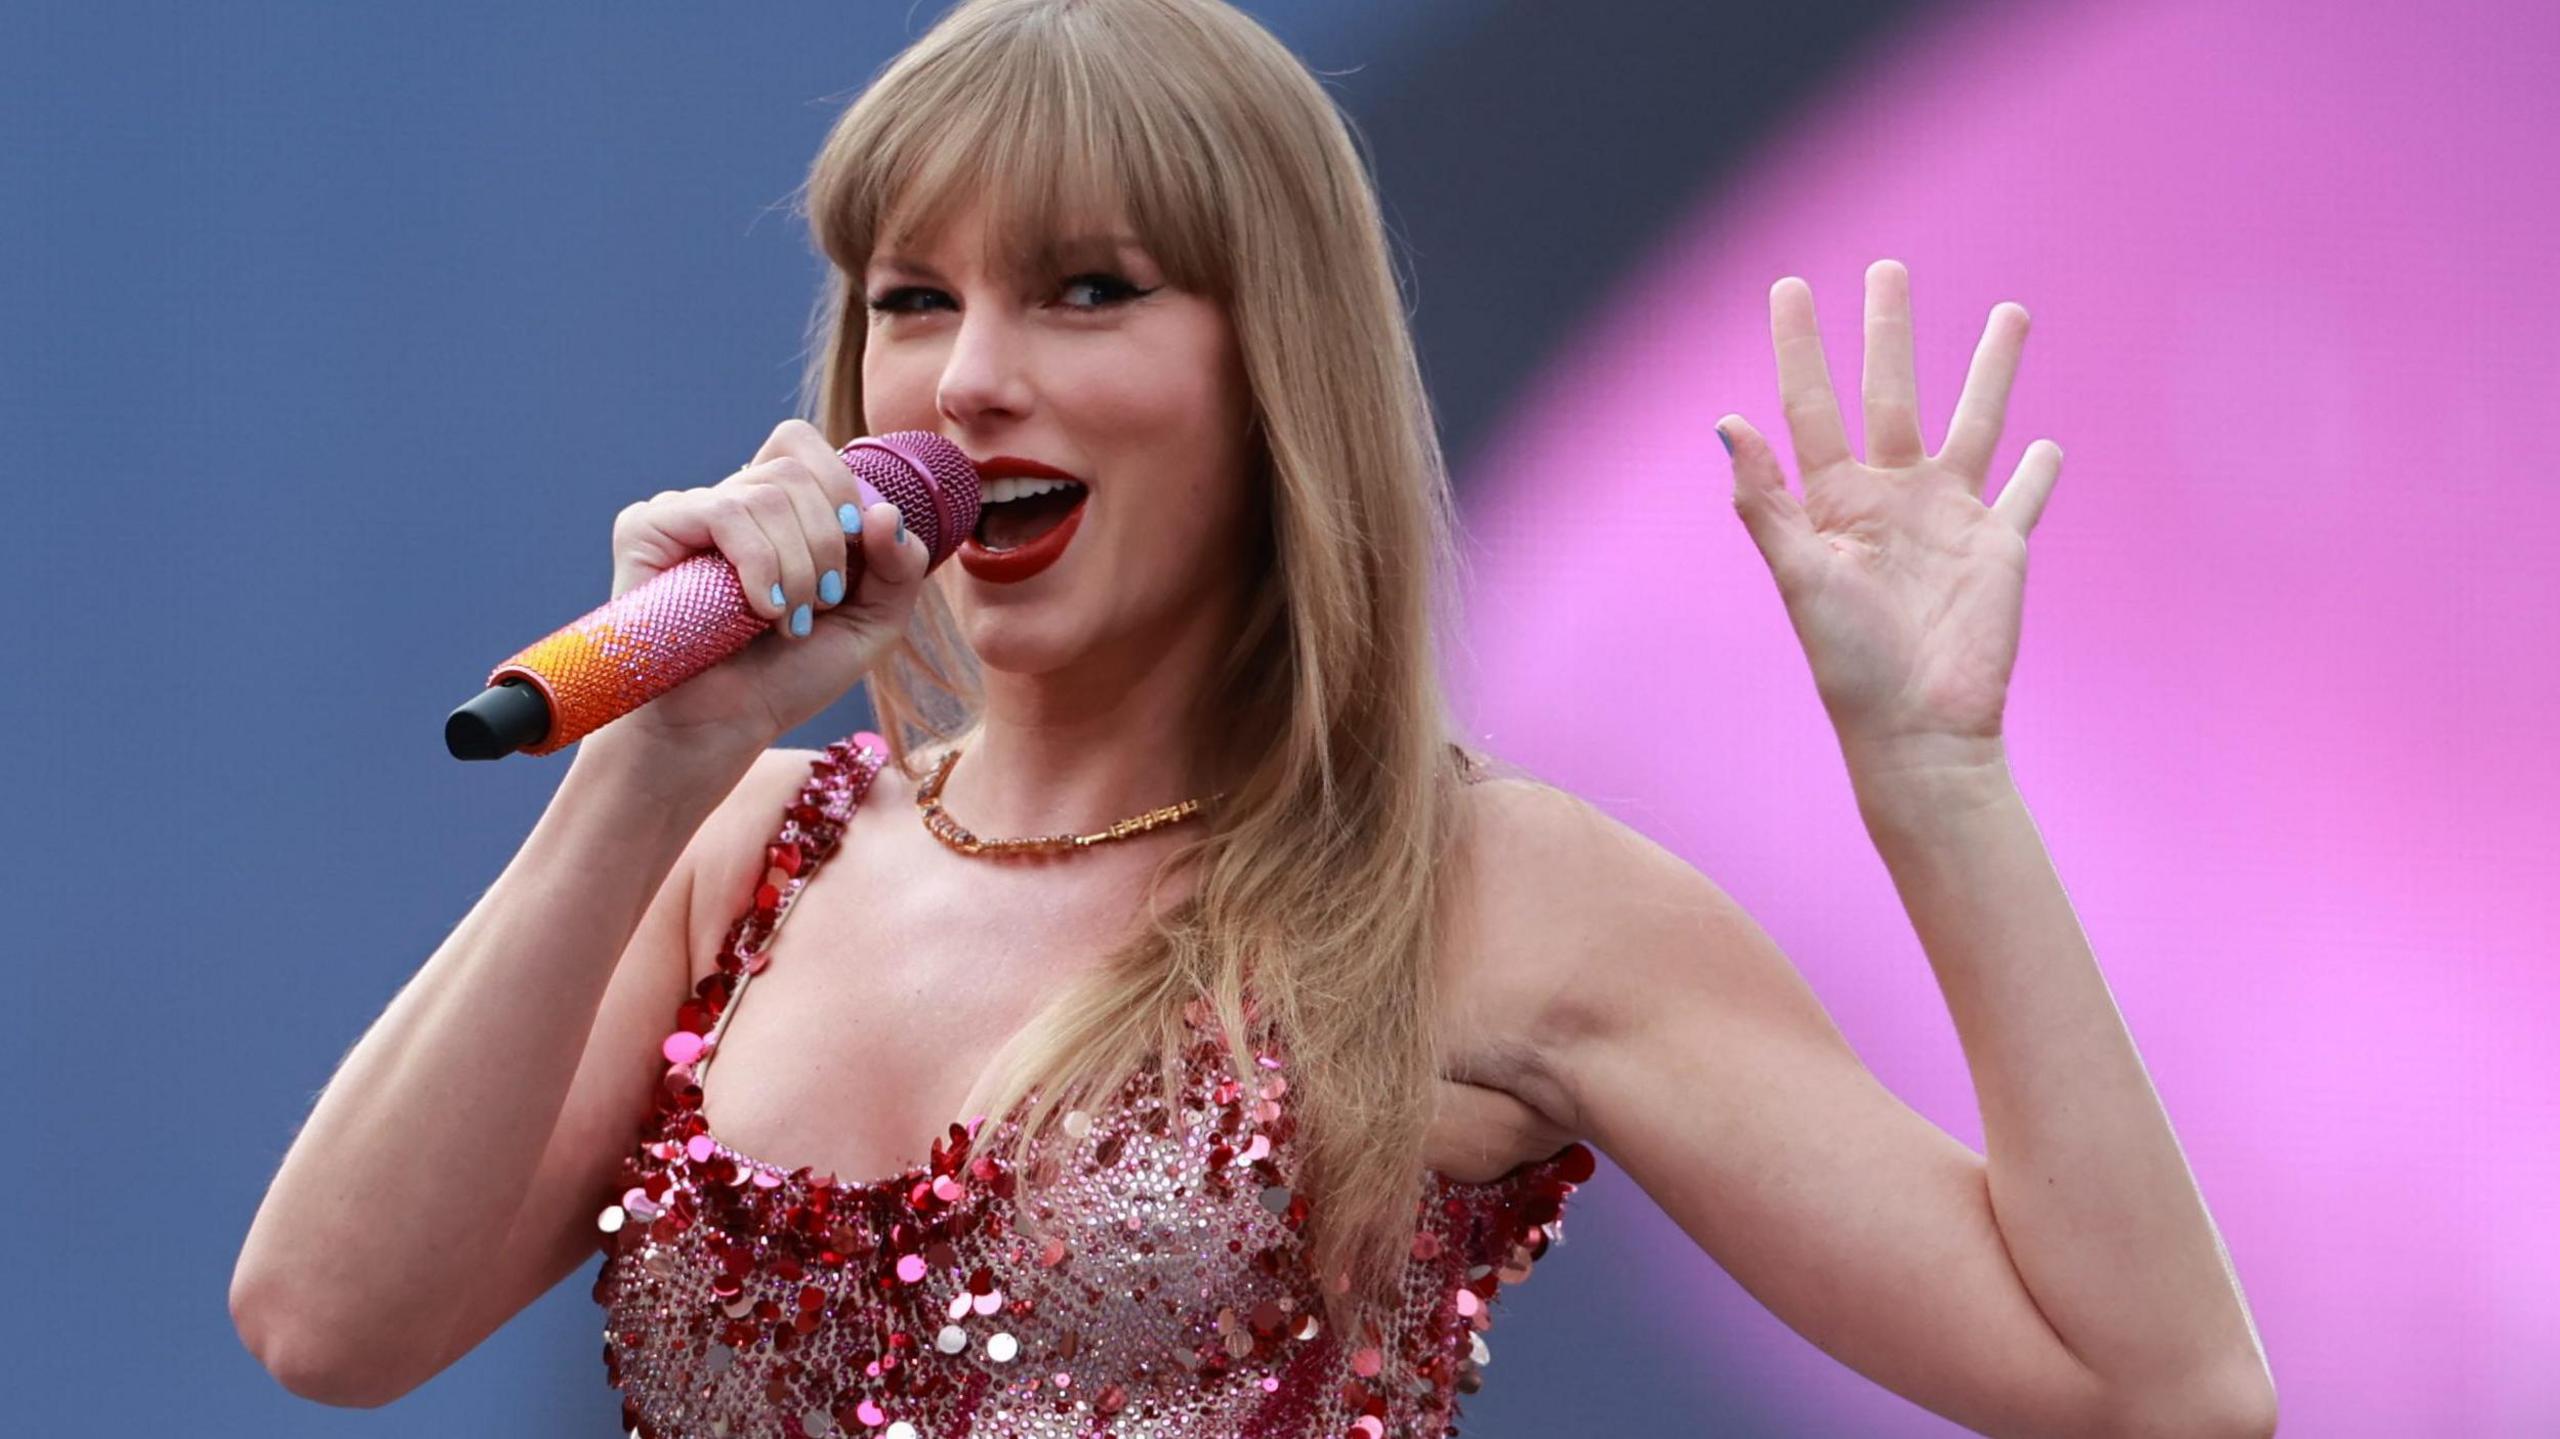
(693, 647)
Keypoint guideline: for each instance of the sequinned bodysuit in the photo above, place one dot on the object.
(1172, 1300)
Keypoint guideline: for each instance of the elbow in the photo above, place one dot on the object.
(2241, 1405)
(313, 1359)
(2258, 1420)
(2248, 1401)
(2254, 1420)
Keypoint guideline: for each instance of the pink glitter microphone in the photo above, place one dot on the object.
(655, 636)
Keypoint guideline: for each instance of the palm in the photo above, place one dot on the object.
(1903, 587)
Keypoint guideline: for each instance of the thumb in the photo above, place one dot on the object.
(893, 559)
(1774, 518)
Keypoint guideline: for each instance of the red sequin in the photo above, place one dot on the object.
(1173, 1299)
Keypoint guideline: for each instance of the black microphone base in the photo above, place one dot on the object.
(498, 721)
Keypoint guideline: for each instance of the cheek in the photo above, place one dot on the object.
(1174, 408)
(1194, 417)
(1204, 507)
(1178, 433)
(897, 392)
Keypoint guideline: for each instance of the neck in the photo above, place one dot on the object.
(1116, 734)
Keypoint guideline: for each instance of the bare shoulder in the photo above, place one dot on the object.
(1564, 917)
(1515, 820)
(1551, 877)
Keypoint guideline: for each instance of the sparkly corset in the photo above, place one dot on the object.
(1171, 1298)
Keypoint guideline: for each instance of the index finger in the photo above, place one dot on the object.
(1804, 380)
(800, 440)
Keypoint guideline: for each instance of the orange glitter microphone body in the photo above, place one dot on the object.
(655, 636)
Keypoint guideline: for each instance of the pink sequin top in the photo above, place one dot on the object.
(1173, 1302)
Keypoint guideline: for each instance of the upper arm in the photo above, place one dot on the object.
(1689, 1049)
(676, 944)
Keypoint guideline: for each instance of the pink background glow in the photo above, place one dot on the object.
(2288, 660)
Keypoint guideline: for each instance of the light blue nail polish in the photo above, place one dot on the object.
(901, 536)
(775, 598)
(849, 515)
(800, 620)
(831, 586)
(1728, 441)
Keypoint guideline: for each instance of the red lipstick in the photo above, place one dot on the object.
(1013, 566)
(1000, 466)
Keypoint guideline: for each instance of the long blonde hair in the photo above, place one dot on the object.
(1320, 875)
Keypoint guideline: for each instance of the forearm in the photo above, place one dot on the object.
(2089, 1187)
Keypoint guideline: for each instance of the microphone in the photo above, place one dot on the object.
(656, 635)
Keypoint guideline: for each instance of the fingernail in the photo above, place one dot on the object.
(849, 515)
(831, 586)
(800, 620)
(775, 597)
(901, 536)
(1728, 440)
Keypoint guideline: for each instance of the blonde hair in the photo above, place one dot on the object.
(1320, 875)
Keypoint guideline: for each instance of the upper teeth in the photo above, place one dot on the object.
(1016, 487)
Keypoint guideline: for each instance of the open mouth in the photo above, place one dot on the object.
(1025, 524)
(1015, 512)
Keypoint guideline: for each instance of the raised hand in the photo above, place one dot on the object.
(1903, 586)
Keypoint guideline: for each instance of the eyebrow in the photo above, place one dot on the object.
(1055, 251)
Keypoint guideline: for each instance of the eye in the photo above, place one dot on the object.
(902, 299)
(1107, 290)
(1110, 289)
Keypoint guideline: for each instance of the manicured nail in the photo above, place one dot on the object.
(901, 536)
(849, 515)
(831, 586)
(775, 598)
(1728, 439)
(800, 620)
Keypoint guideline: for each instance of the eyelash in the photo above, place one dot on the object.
(1119, 290)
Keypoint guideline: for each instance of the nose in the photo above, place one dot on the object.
(983, 377)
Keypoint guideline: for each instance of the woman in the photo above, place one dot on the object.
(1292, 1065)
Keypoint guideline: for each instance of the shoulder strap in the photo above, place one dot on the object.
(812, 825)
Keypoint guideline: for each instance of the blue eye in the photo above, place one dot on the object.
(1109, 290)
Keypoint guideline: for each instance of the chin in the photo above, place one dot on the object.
(1022, 639)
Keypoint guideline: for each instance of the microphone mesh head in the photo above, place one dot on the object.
(928, 478)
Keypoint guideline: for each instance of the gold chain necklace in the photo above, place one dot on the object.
(952, 833)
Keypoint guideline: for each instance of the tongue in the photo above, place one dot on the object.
(1018, 522)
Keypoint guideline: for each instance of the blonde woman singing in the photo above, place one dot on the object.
(1175, 1032)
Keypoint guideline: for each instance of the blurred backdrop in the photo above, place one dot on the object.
(332, 337)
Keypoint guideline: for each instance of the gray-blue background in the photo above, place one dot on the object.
(331, 339)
